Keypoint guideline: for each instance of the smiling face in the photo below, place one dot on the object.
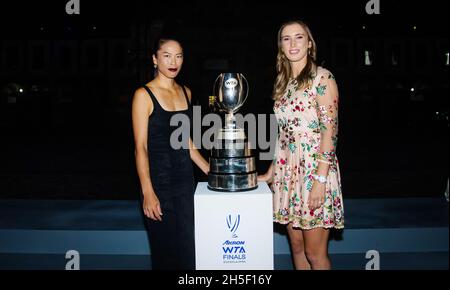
(169, 58)
(294, 42)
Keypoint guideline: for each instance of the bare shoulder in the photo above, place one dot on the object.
(142, 100)
(140, 95)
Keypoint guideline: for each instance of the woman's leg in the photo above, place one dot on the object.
(163, 239)
(298, 248)
(316, 248)
(172, 240)
(185, 232)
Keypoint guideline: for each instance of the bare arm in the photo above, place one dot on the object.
(141, 109)
(268, 176)
(198, 158)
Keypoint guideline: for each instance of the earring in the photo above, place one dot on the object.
(155, 66)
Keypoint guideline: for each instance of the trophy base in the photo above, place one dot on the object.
(232, 182)
(232, 165)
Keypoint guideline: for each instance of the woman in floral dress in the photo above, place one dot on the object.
(305, 173)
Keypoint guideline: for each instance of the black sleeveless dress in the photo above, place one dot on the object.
(171, 173)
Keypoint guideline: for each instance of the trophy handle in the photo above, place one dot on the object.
(246, 84)
(214, 91)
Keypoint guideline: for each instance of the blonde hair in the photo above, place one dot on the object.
(284, 71)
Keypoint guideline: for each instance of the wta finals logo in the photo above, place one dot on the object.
(233, 250)
(233, 226)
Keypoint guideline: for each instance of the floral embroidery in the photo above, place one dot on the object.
(307, 121)
(321, 90)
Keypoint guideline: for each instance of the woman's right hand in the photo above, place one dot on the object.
(267, 177)
(152, 207)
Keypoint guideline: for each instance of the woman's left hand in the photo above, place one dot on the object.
(317, 195)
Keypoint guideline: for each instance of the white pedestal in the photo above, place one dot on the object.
(233, 230)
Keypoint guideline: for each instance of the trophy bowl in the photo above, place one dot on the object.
(232, 164)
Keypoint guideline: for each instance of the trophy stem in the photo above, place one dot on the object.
(230, 121)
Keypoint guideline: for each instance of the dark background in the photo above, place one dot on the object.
(66, 83)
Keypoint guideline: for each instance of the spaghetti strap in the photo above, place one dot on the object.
(152, 96)
(186, 95)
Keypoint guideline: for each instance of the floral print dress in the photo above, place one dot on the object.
(307, 134)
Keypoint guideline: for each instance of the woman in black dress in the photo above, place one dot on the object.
(166, 174)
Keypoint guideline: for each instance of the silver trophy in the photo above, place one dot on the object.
(232, 165)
